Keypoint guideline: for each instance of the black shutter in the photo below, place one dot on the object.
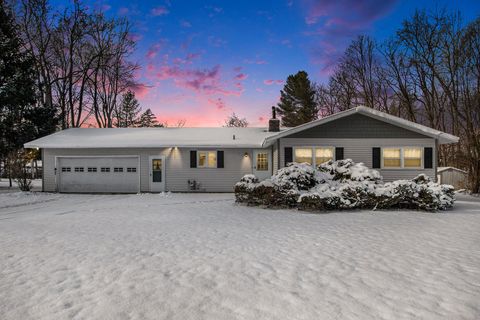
(193, 158)
(338, 154)
(376, 158)
(288, 155)
(428, 158)
(220, 162)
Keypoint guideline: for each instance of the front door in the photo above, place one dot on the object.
(157, 173)
(262, 164)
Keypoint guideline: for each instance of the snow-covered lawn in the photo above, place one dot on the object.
(5, 185)
(197, 256)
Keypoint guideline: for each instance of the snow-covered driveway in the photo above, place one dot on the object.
(195, 256)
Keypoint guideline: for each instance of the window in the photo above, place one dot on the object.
(117, 169)
(92, 169)
(66, 169)
(412, 157)
(303, 155)
(105, 169)
(406, 157)
(323, 155)
(131, 169)
(78, 169)
(207, 159)
(392, 158)
(262, 161)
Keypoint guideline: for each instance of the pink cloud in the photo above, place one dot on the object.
(269, 82)
(105, 7)
(123, 11)
(159, 11)
(135, 36)
(141, 91)
(241, 76)
(189, 58)
(333, 24)
(205, 81)
(218, 103)
(153, 50)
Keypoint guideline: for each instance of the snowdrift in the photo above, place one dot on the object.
(339, 185)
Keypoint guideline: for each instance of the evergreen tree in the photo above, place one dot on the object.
(297, 101)
(236, 121)
(128, 111)
(21, 119)
(148, 119)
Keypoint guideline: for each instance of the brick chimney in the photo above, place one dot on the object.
(274, 123)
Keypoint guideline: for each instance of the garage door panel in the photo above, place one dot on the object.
(98, 174)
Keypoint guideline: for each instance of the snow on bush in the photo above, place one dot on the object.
(342, 184)
(345, 170)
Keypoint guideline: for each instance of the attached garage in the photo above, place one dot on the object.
(108, 174)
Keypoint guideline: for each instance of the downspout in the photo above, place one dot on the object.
(278, 154)
(42, 152)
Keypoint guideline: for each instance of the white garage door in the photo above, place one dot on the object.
(98, 174)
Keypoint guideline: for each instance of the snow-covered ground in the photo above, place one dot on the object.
(5, 185)
(198, 256)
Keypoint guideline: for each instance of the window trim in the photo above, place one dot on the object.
(314, 152)
(257, 153)
(206, 166)
(402, 158)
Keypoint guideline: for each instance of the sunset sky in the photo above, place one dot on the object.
(203, 60)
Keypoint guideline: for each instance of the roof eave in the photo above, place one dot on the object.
(46, 146)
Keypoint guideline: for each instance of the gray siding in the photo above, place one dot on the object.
(360, 150)
(178, 170)
(357, 126)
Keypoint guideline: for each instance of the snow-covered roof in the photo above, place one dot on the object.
(208, 137)
(153, 138)
(443, 138)
(441, 169)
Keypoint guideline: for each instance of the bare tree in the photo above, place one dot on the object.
(81, 57)
(429, 72)
(235, 121)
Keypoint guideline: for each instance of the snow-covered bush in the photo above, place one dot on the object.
(347, 170)
(341, 185)
(299, 176)
(265, 193)
(419, 193)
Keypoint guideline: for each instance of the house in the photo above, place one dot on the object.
(128, 160)
(458, 178)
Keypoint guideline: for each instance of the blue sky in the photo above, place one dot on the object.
(203, 60)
